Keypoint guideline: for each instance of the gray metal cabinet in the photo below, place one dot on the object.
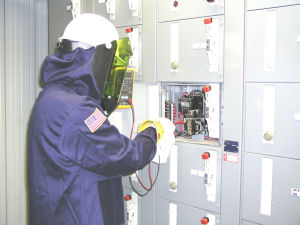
(258, 4)
(180, 9)
(58, 19)
(122, 14)
(183, 178)
(273, 45)
(271, 190)
(170, 212)
(272, 117)
(191, 50)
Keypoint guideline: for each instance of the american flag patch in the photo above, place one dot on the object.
(95, 120)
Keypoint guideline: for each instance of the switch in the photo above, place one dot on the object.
(206, 155)
(128, 30)
(127, 198)
(206, 88)
(204, 220)
(208, 20)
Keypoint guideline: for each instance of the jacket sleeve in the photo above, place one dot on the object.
(103, 149)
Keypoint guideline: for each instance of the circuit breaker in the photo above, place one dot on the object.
(194, 109)
(191, 50)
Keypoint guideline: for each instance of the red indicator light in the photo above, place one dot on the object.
(205, 155)
(175, 4)
(210, 0)
(206, 88)
(204, 220)
(128, 30)
(127, 198)
(208, 20)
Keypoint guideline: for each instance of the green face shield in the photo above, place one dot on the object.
(109, 68)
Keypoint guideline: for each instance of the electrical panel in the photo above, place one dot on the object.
(181, 214)
(191, 50)
(277, 119)
(273, 45)
(192, 176)
(271, 193)
(195, 111)
(183, 9)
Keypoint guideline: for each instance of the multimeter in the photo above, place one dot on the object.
(127, 89)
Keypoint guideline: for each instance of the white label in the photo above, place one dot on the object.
(174, 45)
(197, 173)
(298, 38)
(213, 37)
(101, 1)
(269, 112)
(266, 186)
(213, 104)
(231, 158)
(173, 167)
(270, 40)
(296, 116)
(172, 214)
(210, 169)
(295, 192)
(134, 40)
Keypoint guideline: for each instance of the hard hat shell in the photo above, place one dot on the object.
(90, 29)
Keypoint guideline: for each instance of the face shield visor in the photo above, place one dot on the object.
(109, 68)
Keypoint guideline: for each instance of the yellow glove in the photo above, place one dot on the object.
(158, 126)
(165, 137)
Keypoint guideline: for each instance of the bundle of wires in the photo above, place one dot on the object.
(147, 189)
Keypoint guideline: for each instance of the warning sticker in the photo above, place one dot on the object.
(231, 157)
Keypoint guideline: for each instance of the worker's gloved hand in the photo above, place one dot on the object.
(165, 137)
(165, 142)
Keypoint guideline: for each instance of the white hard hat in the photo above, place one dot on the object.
(90, 29)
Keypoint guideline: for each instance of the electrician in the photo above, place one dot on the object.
(76, 158)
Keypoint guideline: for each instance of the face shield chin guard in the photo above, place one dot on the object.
(109, 68)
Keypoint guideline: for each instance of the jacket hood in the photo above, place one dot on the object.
(75, 67)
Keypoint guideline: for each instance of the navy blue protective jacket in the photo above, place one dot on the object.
(75, 158)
